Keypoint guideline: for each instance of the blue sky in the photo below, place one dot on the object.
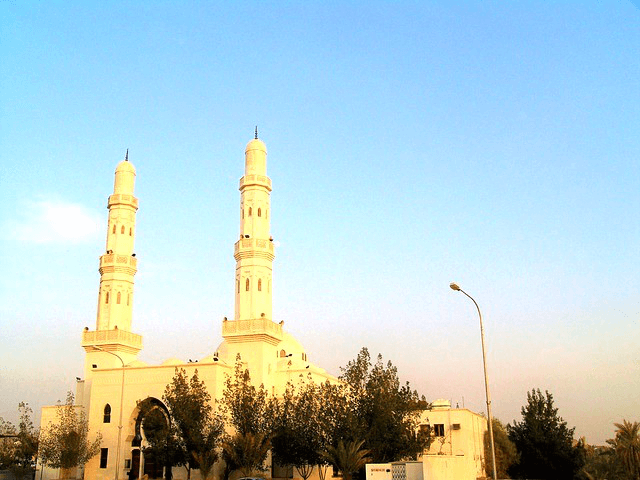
(411, 144)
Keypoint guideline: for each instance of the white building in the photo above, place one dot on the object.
(115, 380)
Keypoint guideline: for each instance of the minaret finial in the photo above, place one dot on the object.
(256, 132)
(126, 157)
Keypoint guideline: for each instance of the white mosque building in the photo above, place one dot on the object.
(115, 380)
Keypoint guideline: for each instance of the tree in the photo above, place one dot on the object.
(65, 444)
(544, 442)
(246, 452)
(386, 412)
(626, 447)
(19, 447)
(506, 452)
(201, 430)
(251, 413)
(347, 457)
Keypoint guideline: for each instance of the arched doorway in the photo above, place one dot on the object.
(152, 425)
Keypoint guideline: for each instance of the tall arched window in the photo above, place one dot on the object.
(283, 354)
(113, 230)
(238, 285)
(106, 297)
(259, 284)
(130, 231)
(242, 212)
(259, 212)
(246, 287)
(118, 297)
(249, 211)
(107, 414)
(122, 229)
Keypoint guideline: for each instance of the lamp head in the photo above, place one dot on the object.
(454, 286)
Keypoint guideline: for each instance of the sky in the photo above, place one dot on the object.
(411, 144)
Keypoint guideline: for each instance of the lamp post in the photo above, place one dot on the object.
(121, 406)
(455, 287)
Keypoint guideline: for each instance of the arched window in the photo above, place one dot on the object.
(113, 230)
(122, 229)
(238, 285)
(259, 284)
(130, 231)
(249, 211)
(106, 297)
(107, 414)
(128, 298)
(118, 296)
(283, 354)
(246, 287)
(259, 212)
(242, 212)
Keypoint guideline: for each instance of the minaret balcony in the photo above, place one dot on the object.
(112, 337)
(260, 180)
(112, 262)
(261, 329)
(122, 199)
(254, 247)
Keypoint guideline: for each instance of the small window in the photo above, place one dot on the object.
(118, 297)
(243, 213)
(238, 285)
(104, 455)
(438, 429)
(113, 230)
(107, 414)
(246, 285)
(106, 297)
(283, 354)
(130, 231)
(128, 298)
(259, 212)
(259, 284)
(122, 229)
(249, 211)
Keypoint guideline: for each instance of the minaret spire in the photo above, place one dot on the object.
(126, 157)
(256, 137)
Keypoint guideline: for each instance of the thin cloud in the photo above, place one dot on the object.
(57, 221)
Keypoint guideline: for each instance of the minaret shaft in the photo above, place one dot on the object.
(254, 252)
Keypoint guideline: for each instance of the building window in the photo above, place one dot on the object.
(246, 285)
(104, 455)
(259, 284)
(113, 230)
(283, 354)
(118, 297)
(438, 429)
(122, 229)
(249, 211)
(130, 231)
(242, 209)
(106, 297)
(128, 298)
(259, 212)
(238, 285)
(107, 414)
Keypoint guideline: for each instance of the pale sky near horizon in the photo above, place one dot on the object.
(411, 144)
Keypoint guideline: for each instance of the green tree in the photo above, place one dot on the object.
(347, 457)
(386, 412)
(626, 447)
(201, 430)
(246, 452)
(544, 442)
(65, 444)
(506, 452)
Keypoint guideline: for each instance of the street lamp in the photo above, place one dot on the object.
(455, 287)
(121, 405)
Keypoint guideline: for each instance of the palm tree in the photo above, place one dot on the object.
(348, 458)
(246, 452)
(627, 447)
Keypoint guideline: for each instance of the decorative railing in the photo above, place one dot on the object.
(122, 260)
(254, 242)
(102, 337)
(253, 326)
(118, 198)
(255, 180)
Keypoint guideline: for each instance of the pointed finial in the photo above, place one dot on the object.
(126, 157)
(256, 132)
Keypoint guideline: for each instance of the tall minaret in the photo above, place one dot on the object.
(117, 267)
(254, 252)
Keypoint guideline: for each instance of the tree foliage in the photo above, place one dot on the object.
(200, 429)
(246, 452)
(626, 448)
(506, 452)
(19, 447)
(348, 457)
(65, 444)
(544, 441)
(385, 413)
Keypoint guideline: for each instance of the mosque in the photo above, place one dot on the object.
(115, 380)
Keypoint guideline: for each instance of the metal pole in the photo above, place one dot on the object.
(121, 406)
(486, 380)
